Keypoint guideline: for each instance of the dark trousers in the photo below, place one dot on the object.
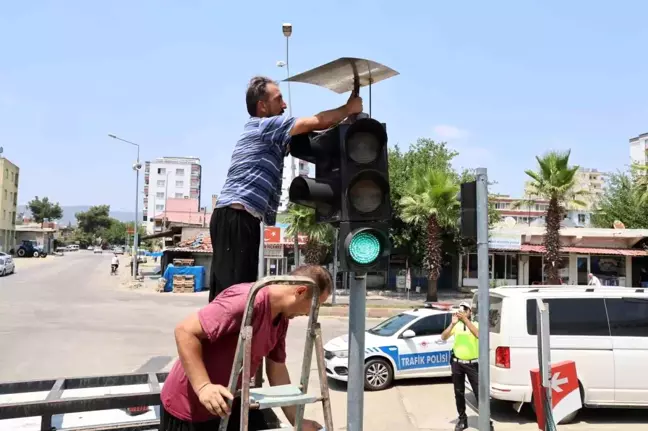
(168, 422)
(459, 373)
(235, 236)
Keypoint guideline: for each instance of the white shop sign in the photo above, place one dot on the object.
(273, 251)
(505, 241)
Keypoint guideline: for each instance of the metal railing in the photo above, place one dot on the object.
(55, 404)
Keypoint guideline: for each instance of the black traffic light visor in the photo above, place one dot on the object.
(315, 146)
(339, 75)
(311, 193)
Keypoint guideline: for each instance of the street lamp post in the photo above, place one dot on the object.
(286, 28)
(136, 167)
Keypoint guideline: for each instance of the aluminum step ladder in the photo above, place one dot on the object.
(284, 395)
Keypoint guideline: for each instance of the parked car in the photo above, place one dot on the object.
(97, 250)
(7, 265)
(29, 248)
(407, 345)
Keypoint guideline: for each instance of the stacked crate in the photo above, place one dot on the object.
(183, 262)
(183, 283)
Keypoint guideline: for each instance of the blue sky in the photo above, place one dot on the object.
(500, 81)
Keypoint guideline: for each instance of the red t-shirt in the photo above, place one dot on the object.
(221, 321)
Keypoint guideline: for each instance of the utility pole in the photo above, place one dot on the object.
(483, 299)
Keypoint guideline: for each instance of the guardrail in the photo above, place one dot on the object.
(55, 404)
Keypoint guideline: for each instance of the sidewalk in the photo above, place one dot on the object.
(383, 304)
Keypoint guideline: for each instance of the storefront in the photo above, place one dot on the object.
(516, 257)
(503, 262)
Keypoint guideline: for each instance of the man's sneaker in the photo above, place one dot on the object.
(462, 424)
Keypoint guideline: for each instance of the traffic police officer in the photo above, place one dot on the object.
(465, 354)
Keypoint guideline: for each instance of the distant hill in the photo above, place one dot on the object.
(70, 211)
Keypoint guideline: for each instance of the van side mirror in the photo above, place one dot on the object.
(409, 334)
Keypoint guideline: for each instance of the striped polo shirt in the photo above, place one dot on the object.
(256, 170)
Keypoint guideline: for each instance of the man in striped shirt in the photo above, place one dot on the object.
(253, 186)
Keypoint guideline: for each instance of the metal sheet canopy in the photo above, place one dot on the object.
(340, 75)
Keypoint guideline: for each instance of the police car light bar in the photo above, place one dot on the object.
(445, 306)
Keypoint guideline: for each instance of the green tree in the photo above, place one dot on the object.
(623, 200)
(430, 203)
(554, 180)
(115, 234)
(94, 220)
(320, 235)
(43, 209)
(406, 237)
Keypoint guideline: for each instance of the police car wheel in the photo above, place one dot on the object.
(378, 374)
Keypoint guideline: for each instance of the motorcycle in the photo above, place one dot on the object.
(113, 269)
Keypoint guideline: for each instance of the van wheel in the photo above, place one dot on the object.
(378, 374)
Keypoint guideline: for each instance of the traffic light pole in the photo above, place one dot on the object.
(483, 299)
(355, 386)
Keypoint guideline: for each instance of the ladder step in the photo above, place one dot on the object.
(280, 396)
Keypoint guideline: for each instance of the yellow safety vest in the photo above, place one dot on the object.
(466, 345)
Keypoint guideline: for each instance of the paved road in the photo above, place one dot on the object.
(66, 316)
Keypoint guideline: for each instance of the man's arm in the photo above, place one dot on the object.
(327, 119)
(278, 375)
(189, 335)
(471, 327)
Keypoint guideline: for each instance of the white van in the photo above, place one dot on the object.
(603, 329)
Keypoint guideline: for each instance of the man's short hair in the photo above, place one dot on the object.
(318, 274)
(256, 91)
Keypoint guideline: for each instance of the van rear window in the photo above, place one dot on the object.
(495, 314)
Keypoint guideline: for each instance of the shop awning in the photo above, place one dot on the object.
(529, 248)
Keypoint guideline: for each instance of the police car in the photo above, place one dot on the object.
(407, 345)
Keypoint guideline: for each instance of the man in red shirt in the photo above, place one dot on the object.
(195, 392)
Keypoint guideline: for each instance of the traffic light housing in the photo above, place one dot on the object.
(322, 192)
(468, 200)
(350, 189)
(366, 207)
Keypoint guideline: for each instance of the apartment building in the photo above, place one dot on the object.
(523, 211)
(8, 203)
(638, 148)
(589, 181)
(530, 210)
(170, 178)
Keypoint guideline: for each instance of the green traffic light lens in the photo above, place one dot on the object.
(364, 248)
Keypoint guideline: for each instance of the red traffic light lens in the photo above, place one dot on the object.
(363, 147)
(365, 141)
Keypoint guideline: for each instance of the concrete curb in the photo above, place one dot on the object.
(371, 312)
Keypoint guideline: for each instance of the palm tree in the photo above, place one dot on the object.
(319, 236)
(554, 181)
(431, 203)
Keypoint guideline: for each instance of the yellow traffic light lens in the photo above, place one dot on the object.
(363, 147)
(366, 195)
(364, 248)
